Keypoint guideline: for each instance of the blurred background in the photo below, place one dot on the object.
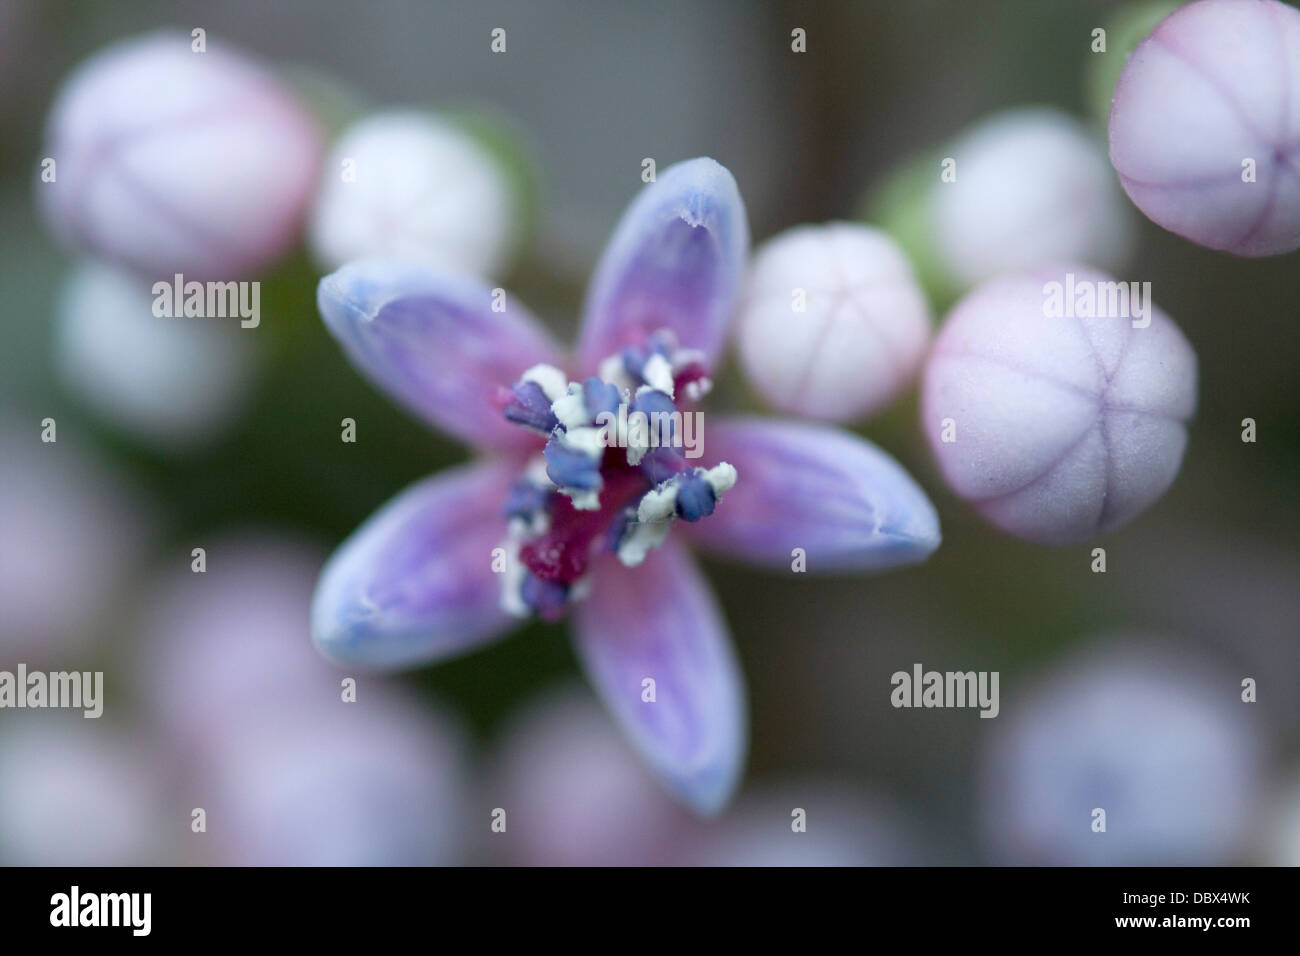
(97, 530)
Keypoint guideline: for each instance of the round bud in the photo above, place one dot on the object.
(170, 160)
(1025, 188)
(1056, 402)
(1122, 31)
(1130, 752)
(833, 324)
(1204, 131)
(170, 381)
(407, 185)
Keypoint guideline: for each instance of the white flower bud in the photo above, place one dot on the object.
(833, 323)
(406, 185)
(1032, 187)
(169, 381)
(169, 160)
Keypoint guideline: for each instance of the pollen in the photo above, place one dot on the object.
(614, 474)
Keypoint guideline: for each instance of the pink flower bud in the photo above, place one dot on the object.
(834, 324)
(1028, 187)
(168, 159)
(1056, 402)
(407, 185)
(1205, 129)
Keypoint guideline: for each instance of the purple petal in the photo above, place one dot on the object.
(839, 498)
(433, 343)
(415, 582)
(660, 621)
(675, 262)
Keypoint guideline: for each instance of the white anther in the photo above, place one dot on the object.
(583, 499)
(570, 409)
(658, 504)
(512, 582)
(613, 371)
(535, 473)
(590, 441)
(696, 390)
(639, 540)
(658, 374)
(549, 379)
(721, 477)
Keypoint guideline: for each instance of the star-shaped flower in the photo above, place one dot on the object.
(567, 509)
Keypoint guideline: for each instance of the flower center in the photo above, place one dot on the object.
(615, 473)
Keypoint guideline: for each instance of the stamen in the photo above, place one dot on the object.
(528, 405)
(695, 497)
(549, 599)
(549, 378)
(526, 500)
(573, 462)
(659, 412)
(564, 552)
(658, 374)
(582, 495)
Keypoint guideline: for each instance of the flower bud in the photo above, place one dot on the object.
(1025, 188)
(1057, 413)
(833, 323)
(170, 159)
(407, 185)
(170, 381)
(1129, 752)
(1204, 132)
(1123, 30)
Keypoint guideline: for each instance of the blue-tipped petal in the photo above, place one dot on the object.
(660, 621)
(846, 503)
(675, 261)
(431, 341)
(414, 583)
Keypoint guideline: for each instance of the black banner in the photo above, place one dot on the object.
(172, 905)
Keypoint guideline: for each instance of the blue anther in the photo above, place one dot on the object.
(526, 499)
(548, 598)
(660, 464)
(695, 497)
(600, 397)
(656, 403)
(531, 408)
(569, 468)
